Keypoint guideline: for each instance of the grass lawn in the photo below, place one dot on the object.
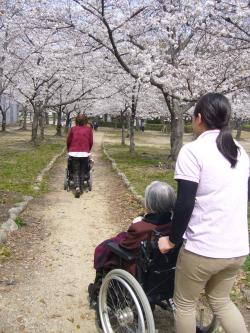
(21, 162)
(147, 165)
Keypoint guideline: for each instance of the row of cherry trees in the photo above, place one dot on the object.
(123, 56)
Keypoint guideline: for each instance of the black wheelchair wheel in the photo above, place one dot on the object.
(123, 305)
(206, 321)
(89, 182)
(65, 185)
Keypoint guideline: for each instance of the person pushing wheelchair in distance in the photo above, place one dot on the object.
(79, 144)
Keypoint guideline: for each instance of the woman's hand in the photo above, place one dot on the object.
(165, 245)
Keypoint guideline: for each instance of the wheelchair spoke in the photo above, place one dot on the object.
(120, 308)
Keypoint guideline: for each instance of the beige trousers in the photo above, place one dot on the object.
(217, 276)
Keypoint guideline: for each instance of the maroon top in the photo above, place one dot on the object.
(80, 139)
(131, 240)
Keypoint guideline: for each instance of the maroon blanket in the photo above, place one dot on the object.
(104, 258)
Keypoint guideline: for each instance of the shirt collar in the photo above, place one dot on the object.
(213, 131)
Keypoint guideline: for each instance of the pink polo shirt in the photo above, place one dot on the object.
(218, 226)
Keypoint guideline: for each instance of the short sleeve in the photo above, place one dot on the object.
(187, 165)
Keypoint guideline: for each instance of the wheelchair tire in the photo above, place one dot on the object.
(212, 328)
(206, 321)
(123, 305)
(65, 184)
(89, 182)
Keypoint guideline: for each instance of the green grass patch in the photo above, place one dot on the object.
(21, 162)
(142, 168)
(246, 269)
(19, 222)
(247, 264)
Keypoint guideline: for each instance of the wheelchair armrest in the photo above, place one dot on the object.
(120, 252)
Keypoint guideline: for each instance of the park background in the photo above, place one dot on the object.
(136, 68)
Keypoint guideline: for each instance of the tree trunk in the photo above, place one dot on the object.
(59, 122)
(42, 123)
(135, 94)
(137, 124)
(68, 123)
(131, 135)
(3, 120)
(46, 118)
(24, 124)
(177, 129)
(54, 118)
(239, 124)
(123, 128)
(132, 128)
(35, 124)
(128, 125)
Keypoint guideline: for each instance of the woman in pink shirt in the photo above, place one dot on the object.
(211, 215)
(79, 144)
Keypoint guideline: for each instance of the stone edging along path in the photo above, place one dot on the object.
(10, 225)
(138, 197)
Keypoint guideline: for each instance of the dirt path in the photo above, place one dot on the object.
(43, 288)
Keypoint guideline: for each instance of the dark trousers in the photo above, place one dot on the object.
(80, 166)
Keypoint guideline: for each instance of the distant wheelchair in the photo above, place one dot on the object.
(126, 304)
(69, 181)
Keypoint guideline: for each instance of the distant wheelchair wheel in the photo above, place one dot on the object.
(206, 321)
(65, 184)
(123, 305)
(89, 183)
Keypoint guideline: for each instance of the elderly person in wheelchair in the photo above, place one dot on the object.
(159, 203)
(132, 276)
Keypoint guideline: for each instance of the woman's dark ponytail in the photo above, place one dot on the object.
(215, 112)
(227, 146)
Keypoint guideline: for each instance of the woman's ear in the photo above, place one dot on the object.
(199, 118)
(202, 125)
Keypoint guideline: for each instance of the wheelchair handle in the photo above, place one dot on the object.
(158, 235)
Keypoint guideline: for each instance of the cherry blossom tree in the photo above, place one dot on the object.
(11, 39)
(68, 50)
(169, 45)
(56, 74)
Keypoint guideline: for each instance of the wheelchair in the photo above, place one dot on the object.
(126, 303)
(69, 181)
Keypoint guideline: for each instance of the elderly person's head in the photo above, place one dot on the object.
(159, 197)
(81, 120)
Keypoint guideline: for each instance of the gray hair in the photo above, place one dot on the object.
(159, 197)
